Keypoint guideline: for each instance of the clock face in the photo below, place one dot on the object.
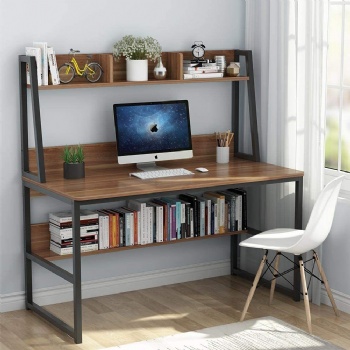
(198, 52)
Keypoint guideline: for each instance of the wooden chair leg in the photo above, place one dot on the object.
(275, 273)
(326, 284)
(252, 289)
(305, 293)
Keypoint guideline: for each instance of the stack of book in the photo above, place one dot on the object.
(194, 69)
(46, 63)
(61, 232)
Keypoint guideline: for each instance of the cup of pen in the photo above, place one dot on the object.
(223, 141)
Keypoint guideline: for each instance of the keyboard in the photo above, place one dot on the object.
(155, 174)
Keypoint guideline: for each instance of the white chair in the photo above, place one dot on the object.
(298, 242)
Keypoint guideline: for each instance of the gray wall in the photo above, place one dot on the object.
(88, 112)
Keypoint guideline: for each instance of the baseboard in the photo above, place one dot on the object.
(342, 300)
(63, 293)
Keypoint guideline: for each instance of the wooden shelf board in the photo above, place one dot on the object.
(134, 83)
(51, 256)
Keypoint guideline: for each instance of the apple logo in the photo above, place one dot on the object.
(154, 128)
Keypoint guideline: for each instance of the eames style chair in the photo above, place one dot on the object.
(298, 242)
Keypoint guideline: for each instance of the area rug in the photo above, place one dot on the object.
(266, 333)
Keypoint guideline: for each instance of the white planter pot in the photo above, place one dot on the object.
(136, 70)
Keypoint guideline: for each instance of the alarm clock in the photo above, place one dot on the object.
(198, 49)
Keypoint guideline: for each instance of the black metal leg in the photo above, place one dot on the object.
(28, 248)
(77, 274)
(298, 225)
(234, 254)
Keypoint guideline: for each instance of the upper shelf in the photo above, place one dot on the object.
(115, 70)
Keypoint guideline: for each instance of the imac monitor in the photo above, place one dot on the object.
(152, 131)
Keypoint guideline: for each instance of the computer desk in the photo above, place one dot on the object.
(107, 182)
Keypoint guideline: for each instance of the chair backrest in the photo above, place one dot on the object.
(321, 218)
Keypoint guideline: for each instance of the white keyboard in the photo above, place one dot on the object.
(161, 173)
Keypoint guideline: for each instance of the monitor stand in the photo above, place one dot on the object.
(149, 166)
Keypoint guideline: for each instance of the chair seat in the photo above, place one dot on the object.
(280, 239)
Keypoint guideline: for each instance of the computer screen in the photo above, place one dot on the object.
(152, 131)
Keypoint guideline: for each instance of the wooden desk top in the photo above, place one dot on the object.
(107, 181)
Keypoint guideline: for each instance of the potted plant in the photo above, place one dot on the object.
(74, 165)
(137, 51)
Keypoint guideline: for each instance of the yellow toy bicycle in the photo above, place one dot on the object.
(92, 71)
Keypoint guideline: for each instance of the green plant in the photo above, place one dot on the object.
(73, 154)
(137, 48)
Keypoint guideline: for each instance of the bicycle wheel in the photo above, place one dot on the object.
(93, 72)
(66, 73)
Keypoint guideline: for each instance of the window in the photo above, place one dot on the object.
(338, 91)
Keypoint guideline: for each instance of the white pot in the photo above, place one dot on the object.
(136, 70)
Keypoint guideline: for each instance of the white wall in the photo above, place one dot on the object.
(84, 116)
(336, 257)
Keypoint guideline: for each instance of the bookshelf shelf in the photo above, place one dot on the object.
(135, 83)
(40, 243)
(108, 182)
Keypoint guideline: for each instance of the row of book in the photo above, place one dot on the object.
(157, 220)
(45, 58)
(195, 69)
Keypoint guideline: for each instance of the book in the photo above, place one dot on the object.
(51, 57)
(196, 211)
(69, 250)
(114, 231)
(87, 217)
(230, 199)
(68, 231)
(93, 238)
(177, 216)
(103, 230)
(207, 215)
(171, 218)
(144, 225)
(203, 75)
(193, 70)
(219, 199)
(129, 225)
(186, 228)
(159, 217)
(44, 64)
(166, 218)
(36, 52)
(244, 208)
(136, 223)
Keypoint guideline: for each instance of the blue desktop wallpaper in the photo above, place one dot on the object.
(152, 128)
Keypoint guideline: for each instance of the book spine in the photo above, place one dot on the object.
(44, 63)
(69, 250)
(67, 232)
(202, 218)
(69, 242)
(51, 56)
(121, 230)
(208, 212)
(36, 52)
(84, 219)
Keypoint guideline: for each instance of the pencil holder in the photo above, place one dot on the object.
(222, 154)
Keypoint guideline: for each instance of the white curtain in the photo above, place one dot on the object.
(289, 43)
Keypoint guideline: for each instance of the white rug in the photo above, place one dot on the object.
(262, 333)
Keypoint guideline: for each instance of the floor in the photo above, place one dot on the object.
(146, 314)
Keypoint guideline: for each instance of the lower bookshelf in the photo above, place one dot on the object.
(41, 243)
